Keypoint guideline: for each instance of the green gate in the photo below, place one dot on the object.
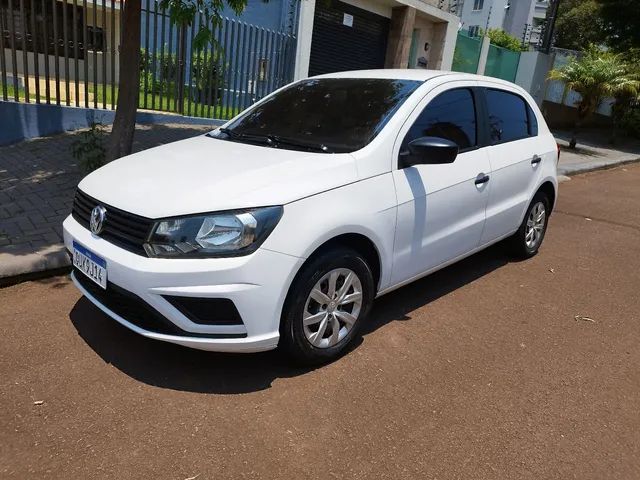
(467, 53)
(502, 63)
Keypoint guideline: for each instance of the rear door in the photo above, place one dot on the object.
(441, 208)
(515, 155)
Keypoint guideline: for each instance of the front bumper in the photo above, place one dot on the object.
(257, 284)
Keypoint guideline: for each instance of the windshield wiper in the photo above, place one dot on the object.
(243, 136)
(299, 143)
(274, 140)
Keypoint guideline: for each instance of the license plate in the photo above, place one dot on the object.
(90, 264)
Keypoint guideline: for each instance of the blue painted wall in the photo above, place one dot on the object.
(277, 15)
(29, 120)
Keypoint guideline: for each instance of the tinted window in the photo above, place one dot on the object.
(450, 115)
(507, 116)
(341, 114)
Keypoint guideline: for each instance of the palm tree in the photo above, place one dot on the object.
(596, 75)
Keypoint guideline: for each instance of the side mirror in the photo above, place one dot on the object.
(429, 150)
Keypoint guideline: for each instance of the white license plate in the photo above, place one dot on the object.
(90, 264)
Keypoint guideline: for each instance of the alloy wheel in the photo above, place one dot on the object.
(332, 308)
(535, 225)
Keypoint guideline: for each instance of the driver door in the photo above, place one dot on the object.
(441, 207)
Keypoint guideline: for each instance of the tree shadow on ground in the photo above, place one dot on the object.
(170, 366)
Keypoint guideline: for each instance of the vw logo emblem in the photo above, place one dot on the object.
(98, 216)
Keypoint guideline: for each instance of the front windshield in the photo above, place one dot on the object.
(326, 115)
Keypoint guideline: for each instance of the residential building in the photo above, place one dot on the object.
(365, 34)
(49, 36)
(68, 51)
(521, 18)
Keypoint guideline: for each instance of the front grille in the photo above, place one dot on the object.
(121, 228)
(136, 311)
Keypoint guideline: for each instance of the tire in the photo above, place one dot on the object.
(306, 344)
(521, 242)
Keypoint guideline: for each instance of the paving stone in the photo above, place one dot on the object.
(38, 180)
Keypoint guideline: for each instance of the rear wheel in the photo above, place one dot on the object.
(326, 306)
(527, 240)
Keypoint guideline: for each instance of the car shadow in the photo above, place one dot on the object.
(178, 368)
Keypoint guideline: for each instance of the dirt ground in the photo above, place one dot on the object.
(490, 369)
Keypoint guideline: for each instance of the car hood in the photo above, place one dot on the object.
(204, 174)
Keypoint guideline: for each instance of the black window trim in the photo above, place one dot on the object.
(528, 110)
(531, 114)
(477, 97)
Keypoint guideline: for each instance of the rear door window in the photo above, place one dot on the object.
(508, 116)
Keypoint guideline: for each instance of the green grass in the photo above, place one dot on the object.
(21, 94)
(165, 103)
(162, 103)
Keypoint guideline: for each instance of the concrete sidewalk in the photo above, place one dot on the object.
(594, 152)
(38, 180)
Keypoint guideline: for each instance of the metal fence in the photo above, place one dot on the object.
(68, 53)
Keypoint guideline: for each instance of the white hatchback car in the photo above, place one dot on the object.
(283, 226)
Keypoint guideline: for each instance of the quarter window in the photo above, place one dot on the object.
(508, 116)
(450, 115)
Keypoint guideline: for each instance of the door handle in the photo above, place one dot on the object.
(482, 178)
(535, 160)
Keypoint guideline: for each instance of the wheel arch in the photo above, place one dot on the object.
(549, 189)
(359, 242)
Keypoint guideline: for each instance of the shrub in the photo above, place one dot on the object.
(500, 38)
(630, 122)
(89, 148)
(205, 75)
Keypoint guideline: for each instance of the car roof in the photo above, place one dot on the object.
(390, 73)
(417, 74)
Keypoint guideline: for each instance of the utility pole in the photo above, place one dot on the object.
(550, 26)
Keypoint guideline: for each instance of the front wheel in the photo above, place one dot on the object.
(527, 240)
(326, 306)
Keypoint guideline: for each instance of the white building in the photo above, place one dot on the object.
(521, 18)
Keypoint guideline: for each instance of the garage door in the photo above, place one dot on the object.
(346, 38)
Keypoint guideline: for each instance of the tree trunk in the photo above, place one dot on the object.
(124, 124)
(574, 135)
(582, 116)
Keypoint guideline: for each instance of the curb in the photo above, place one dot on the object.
(596, 167)
(22, 265)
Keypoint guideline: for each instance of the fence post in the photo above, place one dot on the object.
(182, 52)
(484, 54)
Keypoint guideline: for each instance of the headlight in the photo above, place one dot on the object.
(213, 235)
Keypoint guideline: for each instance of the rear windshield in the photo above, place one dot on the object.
(328, 115)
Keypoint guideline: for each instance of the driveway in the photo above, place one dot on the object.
(490, 369)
